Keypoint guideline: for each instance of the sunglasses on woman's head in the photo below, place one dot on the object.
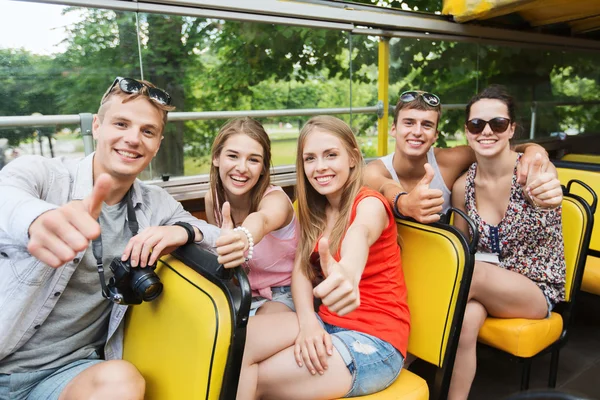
(412, 95)
(131, 86)
(497, 125)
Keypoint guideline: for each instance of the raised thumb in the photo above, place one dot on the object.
(226, 213)
(324, 255)
(101, 190)
(429, 174)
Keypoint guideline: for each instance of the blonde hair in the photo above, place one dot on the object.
(254, 130)
(311, 204)
(127, 97)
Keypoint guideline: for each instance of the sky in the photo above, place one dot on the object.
(36, 27)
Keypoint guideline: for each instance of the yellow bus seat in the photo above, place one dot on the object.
(525, 338)
(582, 158)
(437, 283)
(591, 276)
(188, 343)
(590, 175)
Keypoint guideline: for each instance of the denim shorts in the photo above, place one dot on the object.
(373, 363)
(281, 294)
(550, 306)
(44, 384)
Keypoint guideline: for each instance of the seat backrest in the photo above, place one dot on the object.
(437, 268)
(582, 158)
(184, 342)
(575, 226)
(590, 175)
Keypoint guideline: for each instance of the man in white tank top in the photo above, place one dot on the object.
(417, 178)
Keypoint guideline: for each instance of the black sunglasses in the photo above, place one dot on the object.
(429, 98)
(131, 86)
(497, 125)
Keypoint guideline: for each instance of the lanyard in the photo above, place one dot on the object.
(97, 243)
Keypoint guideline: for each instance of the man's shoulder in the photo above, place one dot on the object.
(34, 165)
(377, 167)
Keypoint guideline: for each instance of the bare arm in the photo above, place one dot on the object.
(313, 345)
(209, 208)
(421, 203)
(453, 162)
(274, 212)
(377, 177)
(530, 150)
(339, 291)
(458, 201)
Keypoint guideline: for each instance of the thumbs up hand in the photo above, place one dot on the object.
(534, 157)
(339, 291)
(231, 244)
(542, 187)
(58, 235)
(422, 203)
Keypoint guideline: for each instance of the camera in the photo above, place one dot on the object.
(132, 285)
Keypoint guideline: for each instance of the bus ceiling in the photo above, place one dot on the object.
(378, 21)
(566, 17)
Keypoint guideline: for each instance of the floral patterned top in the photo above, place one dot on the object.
(527, 240)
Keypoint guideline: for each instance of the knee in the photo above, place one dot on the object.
(120, 378)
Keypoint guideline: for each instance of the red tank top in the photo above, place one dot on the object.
(383, 310)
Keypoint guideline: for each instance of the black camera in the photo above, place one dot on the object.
(132, 285)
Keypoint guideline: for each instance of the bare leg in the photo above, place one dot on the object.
(267, 334)
(273, 307)
(500, 293)
(507, 294)
(465, 363)
(115, 379)
(280, 377)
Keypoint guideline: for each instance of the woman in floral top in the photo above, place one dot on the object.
(519, 268)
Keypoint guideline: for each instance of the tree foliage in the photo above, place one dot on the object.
(217, 65)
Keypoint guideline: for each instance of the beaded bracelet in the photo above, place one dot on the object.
(250, 241)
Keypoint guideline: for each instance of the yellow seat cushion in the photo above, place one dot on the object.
(519, 336)
(591, 276)
(408, 386)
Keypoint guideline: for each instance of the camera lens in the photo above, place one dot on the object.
(145, 283)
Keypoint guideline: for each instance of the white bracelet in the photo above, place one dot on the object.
(250, 241)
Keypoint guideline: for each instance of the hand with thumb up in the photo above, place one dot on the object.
(543, 187)
(422, 203)
(56, 236)
(339, 291)
(231, 245)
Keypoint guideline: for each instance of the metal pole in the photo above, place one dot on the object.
(533, 116)
(383, 94)
(86, 132)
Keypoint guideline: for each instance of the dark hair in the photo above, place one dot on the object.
(495, 92)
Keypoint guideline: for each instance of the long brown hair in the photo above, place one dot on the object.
(254, 130)
(311, 204)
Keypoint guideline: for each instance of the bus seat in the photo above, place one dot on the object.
(188, 343)
(525, 338)
(582, 158)
(590, 174)
(437, 283)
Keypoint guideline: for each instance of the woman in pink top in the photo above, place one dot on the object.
(258, 226)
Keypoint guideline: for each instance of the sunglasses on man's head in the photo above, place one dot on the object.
(412, 95)
(497, 125)
(131, 86)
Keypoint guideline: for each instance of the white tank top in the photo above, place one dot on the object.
(436, 183)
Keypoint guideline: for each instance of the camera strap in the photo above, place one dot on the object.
(97, 243)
